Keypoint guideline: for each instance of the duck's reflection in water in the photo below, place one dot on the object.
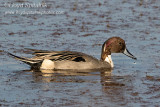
(116, 87)
(104, 76)
(101, 82)
(107, 79)
(67, 75)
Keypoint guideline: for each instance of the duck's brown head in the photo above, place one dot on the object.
(115, 45)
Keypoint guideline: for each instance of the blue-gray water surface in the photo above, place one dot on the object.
(79, 25)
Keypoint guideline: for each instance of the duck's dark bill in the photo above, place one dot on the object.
(126, 52)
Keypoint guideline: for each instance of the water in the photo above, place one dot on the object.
(83, 26)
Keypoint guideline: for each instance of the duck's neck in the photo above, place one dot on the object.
(106, 55)
(108, 59)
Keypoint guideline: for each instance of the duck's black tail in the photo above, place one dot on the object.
(28, 61)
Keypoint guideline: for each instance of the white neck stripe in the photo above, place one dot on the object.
(109, 60)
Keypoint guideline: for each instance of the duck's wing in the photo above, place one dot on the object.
(62, 56)
(57, 55)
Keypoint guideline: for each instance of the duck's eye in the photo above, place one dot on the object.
(120, 43)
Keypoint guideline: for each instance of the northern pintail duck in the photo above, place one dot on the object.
(76, 60)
